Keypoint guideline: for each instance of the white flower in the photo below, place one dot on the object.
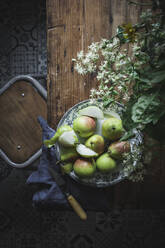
(93, 90)
(106, 81)
(102, 67)
(105, 87)
(135, 48)
(80, 69)
(102, 74)
(91, 68)
(85, 61)
(94, 47)
(109, 46)
(80, 55)
(120, 88)
(116, 41)
(92, 56)
(120, 56)
(126, 97)
(93, 93)
(103, 42)
(118, 66)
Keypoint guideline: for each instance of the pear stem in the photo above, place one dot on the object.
(109, 152)
(93, 162)
(77, 143)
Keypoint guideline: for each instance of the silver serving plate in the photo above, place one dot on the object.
(99, 179)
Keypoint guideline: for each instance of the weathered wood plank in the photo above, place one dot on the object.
(72, 26)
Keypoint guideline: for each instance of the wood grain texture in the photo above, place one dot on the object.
(18, 125)
(71, 26)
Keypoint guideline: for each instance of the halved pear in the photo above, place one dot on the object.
(50, 142)
(112, 113)
(85, 151)
(92, 111)
(68, 139)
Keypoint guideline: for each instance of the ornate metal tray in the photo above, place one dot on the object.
(99, 179)
(21, 100)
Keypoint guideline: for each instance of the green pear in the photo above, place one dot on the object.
(49, 143)
(69, 154)
(112, 128)
(84, 126)
(96, 143)
(66, 168)
(117, 149)
(84, 168)
(105, 163)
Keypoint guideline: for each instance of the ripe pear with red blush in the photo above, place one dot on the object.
(84, 168)
(84, 126)
(116, 149)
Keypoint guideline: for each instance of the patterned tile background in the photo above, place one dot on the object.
(23, 39)
(23, 51)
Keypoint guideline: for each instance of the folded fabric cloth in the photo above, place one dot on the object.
(50, 194)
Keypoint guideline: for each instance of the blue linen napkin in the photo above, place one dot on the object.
(51, 196)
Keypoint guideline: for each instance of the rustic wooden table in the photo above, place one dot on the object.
(71, 26)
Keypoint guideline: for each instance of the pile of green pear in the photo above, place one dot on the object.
(83, 150)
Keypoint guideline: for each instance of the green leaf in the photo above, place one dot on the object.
(120, 35)
(107, 102)
(145, 80)
(115, 92)
(161, 63)
(127, 135)
(146, 109)
(152, 76)
(158, 77)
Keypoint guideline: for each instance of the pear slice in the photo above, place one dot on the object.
(112, 113)
(50, 142)
(85, 151)
(92, 111)
(68, 139)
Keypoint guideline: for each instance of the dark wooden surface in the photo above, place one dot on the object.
(21, 225)
(18, 125)
(71, 26)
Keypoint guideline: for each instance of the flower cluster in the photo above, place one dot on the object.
(86, 62)
(114, 69)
